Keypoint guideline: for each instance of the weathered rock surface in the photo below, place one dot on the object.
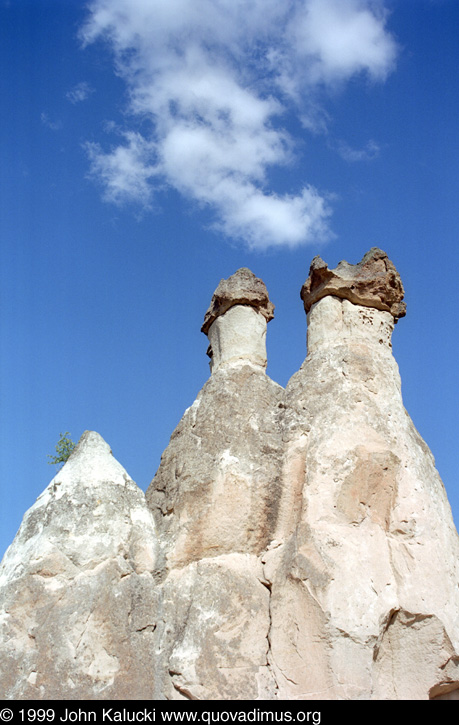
(373, 282)
(368, 562)
(294, 544)
(242, 288)
(77, 593)
(215, 499)
(214, 492)
(214, 643)
(331, 495)
(239, 335)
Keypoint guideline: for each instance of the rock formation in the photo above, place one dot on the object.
(294, 543)
(77, 594)
(216, 496)
(373, 282)
(368, 561)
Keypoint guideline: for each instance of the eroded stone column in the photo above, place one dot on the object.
(367, 555)
(215, 499)
(236, 321)
(354, 303)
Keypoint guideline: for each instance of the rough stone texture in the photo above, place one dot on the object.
(215, 626)
(240, 334)
(214, 492)
(373, 282)
(215, 499)
(298, 543)
(365, 576)
(77, 594)
(242, 288)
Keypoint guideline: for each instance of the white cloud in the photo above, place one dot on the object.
(339, 38)
(79, 93)
(124, 171)
(265, 220)
(46, 121)
(215, 77)
(369, 152)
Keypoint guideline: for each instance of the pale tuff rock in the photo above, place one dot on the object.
(239, 335)
(368, 565)
(373, 282)
(216, 493)
(339, 322)
(215, 626)
(236, 320)
(215, 499)
(298, 543)
(413, 652)
(77, 594)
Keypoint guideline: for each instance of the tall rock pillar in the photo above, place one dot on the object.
(365, 598)
(215, 499)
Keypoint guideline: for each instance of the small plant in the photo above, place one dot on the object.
(64, 447)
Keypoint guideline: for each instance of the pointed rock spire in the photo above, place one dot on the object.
(77, 587)
(306, 546)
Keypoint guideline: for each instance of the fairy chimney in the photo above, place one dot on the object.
(294, 544)
(236, 320)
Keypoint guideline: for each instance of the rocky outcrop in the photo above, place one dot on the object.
(77, 595)
(294, 543)
(236, 320)
(373, 282)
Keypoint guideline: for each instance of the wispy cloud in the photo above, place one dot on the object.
(215, 79)
(46, 121)
(79, 93)
(124, 171)
(369, 152)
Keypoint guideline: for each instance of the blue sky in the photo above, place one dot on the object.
(151, 148)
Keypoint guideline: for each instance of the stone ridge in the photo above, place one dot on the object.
(373, 282)
(242, 288)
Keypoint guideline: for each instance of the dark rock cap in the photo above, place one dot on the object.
(242, 288)
(373, 282)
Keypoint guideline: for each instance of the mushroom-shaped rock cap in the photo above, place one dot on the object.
(242, 288)
(373, 282)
